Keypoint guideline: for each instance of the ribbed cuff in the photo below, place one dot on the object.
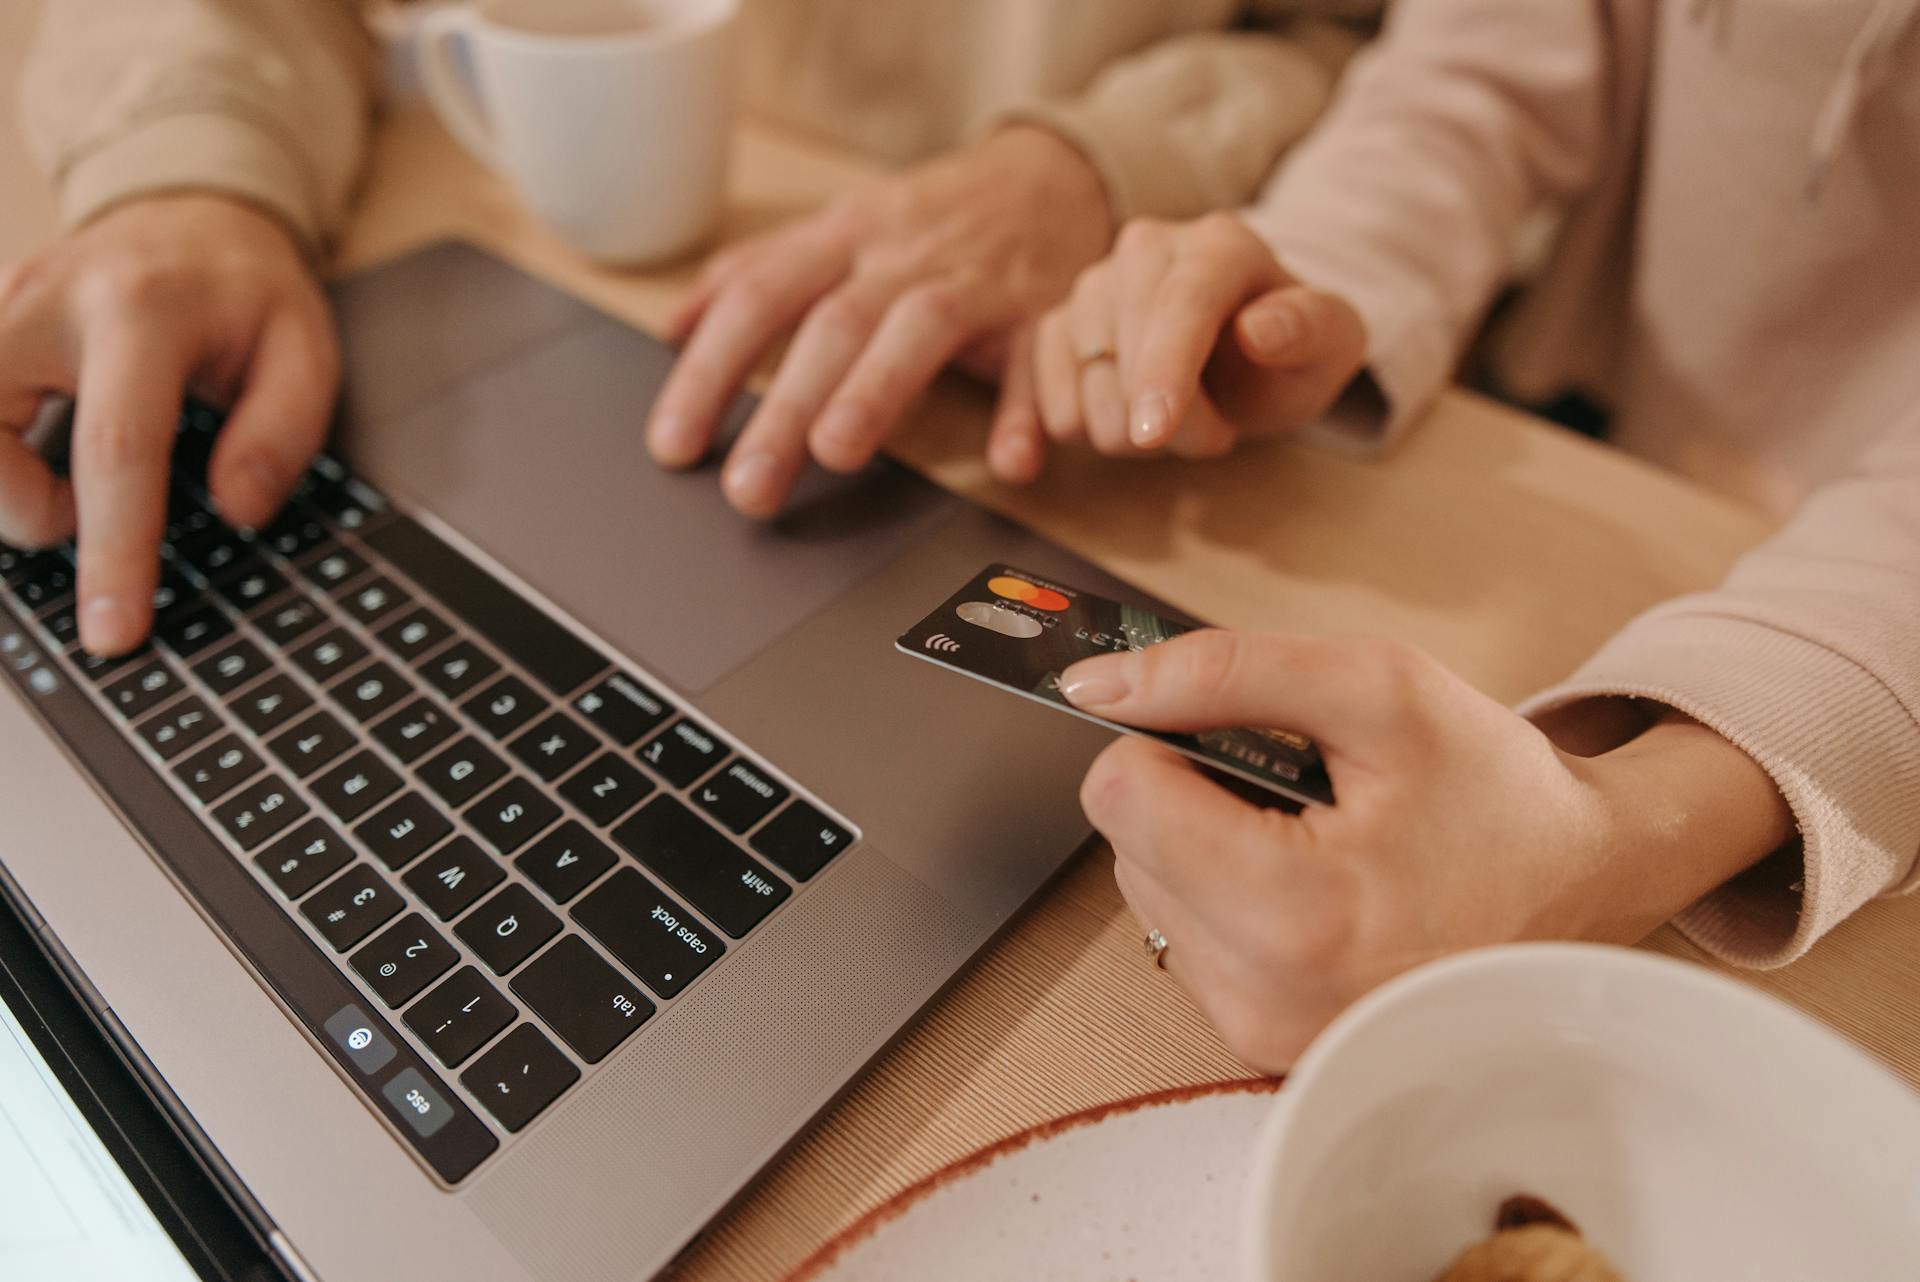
(1837, 743)
(196, 151)
(1143, 173)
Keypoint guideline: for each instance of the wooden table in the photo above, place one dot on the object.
(1505, 547)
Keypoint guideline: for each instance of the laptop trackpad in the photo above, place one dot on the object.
(539, 461)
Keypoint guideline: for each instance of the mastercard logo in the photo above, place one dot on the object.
(1026, 593)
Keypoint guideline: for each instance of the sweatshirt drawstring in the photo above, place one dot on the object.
(1869, 59)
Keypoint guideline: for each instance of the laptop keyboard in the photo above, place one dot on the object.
(496, 834)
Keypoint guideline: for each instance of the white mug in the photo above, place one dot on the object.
(611, 117)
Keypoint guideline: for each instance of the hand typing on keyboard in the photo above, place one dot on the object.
(158, 298)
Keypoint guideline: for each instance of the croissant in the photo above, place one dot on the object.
(1532, 1242)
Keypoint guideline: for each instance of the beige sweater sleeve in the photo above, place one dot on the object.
(1808, 658)
(1461, 120)
(267, 100)
(1196, 122)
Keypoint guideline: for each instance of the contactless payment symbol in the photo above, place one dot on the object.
(1014, 589)
(941, 643)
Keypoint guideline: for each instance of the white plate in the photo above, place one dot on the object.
(1146, 1188)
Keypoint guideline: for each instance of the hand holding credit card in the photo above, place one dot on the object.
(1020, 631)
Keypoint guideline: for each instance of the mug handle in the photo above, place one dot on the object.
(448, 90)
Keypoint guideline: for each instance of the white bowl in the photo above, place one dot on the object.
(1695, 1129)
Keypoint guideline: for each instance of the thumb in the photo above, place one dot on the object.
(1294, 351)
(1330, 689)
(1294, 327)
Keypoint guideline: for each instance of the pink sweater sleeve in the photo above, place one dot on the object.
(1461, 120)
(1807, 657)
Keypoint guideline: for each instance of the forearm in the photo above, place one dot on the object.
(1195, 123)
(267, 102)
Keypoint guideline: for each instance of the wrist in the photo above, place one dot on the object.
(1064, 180)
(1680, 811)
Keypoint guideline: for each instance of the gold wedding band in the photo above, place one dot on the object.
(1156, 948)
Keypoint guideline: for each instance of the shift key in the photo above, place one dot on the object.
(726, 883)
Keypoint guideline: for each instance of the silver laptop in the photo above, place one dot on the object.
(494, 864)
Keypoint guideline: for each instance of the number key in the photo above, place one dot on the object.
(186, 723)
(352, 906)
(217, 767)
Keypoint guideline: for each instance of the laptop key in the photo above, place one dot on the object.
(374, 600)
(294, 534)
(332, 566)
(459, 1017)
(508, 817)
(289, 620)
(259, 810)
(351, 906)
(650, 934)
(624, 709)
(403, 959)
(188, 632)
(555, 746)
(504, 706)
(372, 692)
(304, 857)
(565, 861)
(450, 879)
(404, 830)
(801, 840)
(232, 667)
(683, 752)
(103, 668)
(414, 731)
(217, 768)
(740, 796)
(458, 668)
(507, 929)
(590, 1004)
(62, 624)
(519, 1077)
(414, 634)
(272, 704)
(460, 773)
(251, 584)
(311, 744)
(215, 550)
(690, 855)
(181, 726)
(356, 786)
(606, 789)
(143, 689)
(329, 654)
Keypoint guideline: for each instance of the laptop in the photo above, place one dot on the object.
(494, 864)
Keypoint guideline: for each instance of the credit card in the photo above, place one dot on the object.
(1020, 631)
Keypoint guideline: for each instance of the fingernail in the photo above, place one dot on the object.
(1107, 679)
(1272, 329)
(107, 625)
(1152, 419)
(750, 479)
